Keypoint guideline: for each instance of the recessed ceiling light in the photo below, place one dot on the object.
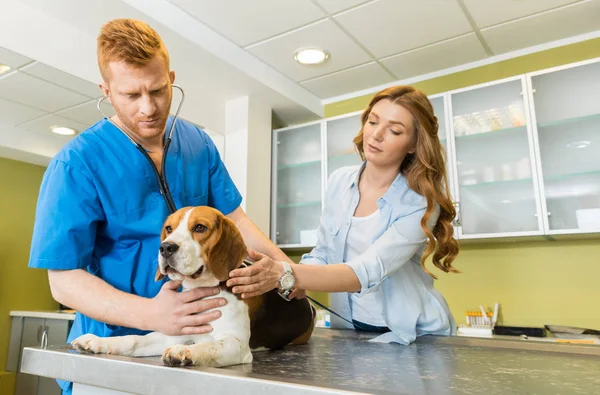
(63, 130)
(4, 68)
(311, 56)
(506, 201)
(579, 144)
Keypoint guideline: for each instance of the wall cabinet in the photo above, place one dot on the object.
(523, 158)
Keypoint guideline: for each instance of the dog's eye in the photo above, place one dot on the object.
(199, 228)
(168, 229)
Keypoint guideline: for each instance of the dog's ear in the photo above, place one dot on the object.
(163, 234)
(159, 276)
(228, 251)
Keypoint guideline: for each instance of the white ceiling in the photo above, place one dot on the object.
(225, 49)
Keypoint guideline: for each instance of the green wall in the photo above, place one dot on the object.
(536, 283)
(21, 288)
(538, 61)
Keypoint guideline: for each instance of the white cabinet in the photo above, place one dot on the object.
(522, 155)
(566, 110)
(29, 332)
(494, 152)
(340, 147)
(297, 181)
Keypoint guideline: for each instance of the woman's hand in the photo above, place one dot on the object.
(261, 277)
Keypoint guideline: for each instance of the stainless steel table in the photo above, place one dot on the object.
(337, 362)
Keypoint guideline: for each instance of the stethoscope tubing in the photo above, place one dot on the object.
(163, 185)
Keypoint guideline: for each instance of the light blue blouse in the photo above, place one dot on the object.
(411, 305)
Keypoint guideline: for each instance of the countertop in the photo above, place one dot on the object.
(337, 362)
(51, 314)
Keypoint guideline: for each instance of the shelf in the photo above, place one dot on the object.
(563, 177)
(300, 204)
(344, 156)
(491, 132)
(569, 120)
(296, 165)
(483, 184)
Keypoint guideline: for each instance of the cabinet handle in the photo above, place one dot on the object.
(44, 342)
(42, 335)
(457, 221)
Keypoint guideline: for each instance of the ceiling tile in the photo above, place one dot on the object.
(279, 52)
(13, 59)
(15, 113)
(390, 27)
(33, 92)
(333, 6)
(553, 25)
(436, 57)
(491, 12)
(43, 125)
(57, 77)
(87, 113)
(346, 81)
(247, 22)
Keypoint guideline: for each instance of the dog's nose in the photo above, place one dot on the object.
(167, 249)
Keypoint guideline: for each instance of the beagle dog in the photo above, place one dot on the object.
(200, 246)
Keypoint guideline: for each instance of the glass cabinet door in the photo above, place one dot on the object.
(297, 201)
(340, 148)
(443, 133)
(440, 113)
(493, 160)
(567, 112)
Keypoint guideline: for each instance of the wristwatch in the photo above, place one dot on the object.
(286, 282)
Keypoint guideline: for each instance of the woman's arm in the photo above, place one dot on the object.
(265, 273)
(399, 243)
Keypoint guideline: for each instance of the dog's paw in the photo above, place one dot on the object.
(94, 345)
(177, 355)
(88, 343)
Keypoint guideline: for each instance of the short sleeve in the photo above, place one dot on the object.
(67, 215)
(222, 192)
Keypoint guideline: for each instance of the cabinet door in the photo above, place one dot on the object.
(494, 151)
(439, 109)
(566, 107)
(443, 133)
(48, 386)
(297, 200)
(340, 147)
(31, 337)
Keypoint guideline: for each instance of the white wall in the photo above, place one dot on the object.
(248, 156)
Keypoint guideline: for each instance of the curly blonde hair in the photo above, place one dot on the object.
(425, 172)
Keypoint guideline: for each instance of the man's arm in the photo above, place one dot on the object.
(170, 312)
(254, 238)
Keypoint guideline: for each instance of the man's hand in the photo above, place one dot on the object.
(183, 313)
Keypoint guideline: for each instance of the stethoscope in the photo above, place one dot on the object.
(162, 179)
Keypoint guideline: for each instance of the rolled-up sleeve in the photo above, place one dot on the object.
(396, 246)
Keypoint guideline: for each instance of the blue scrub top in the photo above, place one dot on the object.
(100, 208)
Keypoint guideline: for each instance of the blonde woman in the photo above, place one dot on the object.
(382, 220)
